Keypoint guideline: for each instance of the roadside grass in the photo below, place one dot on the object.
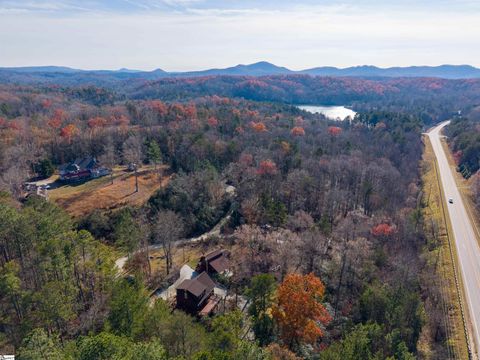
(439, 257)
(83, 198)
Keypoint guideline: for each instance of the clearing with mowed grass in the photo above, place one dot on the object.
(100, 194)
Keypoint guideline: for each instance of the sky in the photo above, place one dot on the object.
(182, 35)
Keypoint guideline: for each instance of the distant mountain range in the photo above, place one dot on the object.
(262, 68)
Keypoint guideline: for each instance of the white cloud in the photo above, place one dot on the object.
(300, 37)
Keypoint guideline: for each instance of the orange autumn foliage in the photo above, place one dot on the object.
(280, 353)
(190, 111)
(258, 127)
(382, 230)
(298, 131)
(267, 167)
(334, 130)
(159, 107)
(68, 132)
(298, 309)
(58, 117)
(96, 122)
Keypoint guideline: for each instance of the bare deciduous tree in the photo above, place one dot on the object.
(109, 157)
(167, 229)
(132, 152)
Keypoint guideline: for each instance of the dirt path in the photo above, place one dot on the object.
(215, 231)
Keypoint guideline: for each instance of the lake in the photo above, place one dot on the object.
(331, 112)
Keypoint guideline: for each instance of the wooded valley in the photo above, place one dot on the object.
(321, 220)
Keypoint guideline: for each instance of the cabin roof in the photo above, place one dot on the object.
(217, 260)
(220, 264)
(79, 164)
(212, 255)
(198, 285)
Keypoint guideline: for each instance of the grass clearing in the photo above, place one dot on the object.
(188, 254)
(99, 194)
(439, 257)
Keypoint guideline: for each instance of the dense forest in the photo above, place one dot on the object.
(431, 98)
(323, 224)
(464, 139)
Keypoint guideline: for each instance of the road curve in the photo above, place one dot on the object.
(468, 250)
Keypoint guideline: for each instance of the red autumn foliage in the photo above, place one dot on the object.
(190, 111)
(57, 119)
(298, 131)
(267, 167)
(54, 123)
(159, 107)
(14, 125)
(68, 132)
(47, 103)
(251, 114)
(220, 100)
(382, 230)
(298, 309)
(97, 122)
(212, 121)
(334, 130)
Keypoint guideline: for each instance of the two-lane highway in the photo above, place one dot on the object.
(466, 244)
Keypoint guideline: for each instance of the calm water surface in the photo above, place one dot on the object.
(331, 112)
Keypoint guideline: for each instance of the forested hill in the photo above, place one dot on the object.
(435, 99)
(261, 68)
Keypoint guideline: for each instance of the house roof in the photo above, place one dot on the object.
(212, 255)
(217, 260)
(220, 264)
(79, 164)
(86, 163)
(198, 285)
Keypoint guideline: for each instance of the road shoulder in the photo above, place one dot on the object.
(441, 256)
